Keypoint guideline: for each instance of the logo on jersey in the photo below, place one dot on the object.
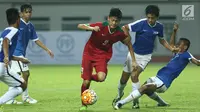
(65, 43)
(187, 12)
(155, 33)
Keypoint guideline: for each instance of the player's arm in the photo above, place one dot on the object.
(23, 60)
(39, 43)
(87, 27)
(172, 39)
(195, 61)
(6, 42)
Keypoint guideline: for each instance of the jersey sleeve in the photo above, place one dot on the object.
(160, 33)
(34, 36)
(188, 56)
(11, 33)
(122, 36)
(135, 26)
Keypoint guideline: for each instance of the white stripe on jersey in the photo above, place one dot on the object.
(35, 39)
(11, 33)
(130, 24)
(191, 56)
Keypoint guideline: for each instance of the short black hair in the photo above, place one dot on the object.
(152, 9)
(116, 12)
(12, 15)
(25, 6)
(186, 42)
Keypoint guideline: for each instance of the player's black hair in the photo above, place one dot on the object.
(116, 12)
(152, 9)
(12, 15)
(186, 42)
(25, 6)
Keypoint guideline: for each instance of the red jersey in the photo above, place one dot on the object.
(99, 45)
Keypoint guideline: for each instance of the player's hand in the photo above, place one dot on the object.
(6, 61)
(175, 50)
(175, 26)
(96, 28)
(25, 60)
(135, 66)
(50, 53)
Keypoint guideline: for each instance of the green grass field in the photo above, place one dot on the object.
(57, 89)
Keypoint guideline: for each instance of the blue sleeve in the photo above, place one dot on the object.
(160, 33)
(34, 36)
(135, 26)
(187, 56)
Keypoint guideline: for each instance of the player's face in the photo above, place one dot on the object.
(26, 14)
(113, 22)
(181, 45)
(151, 18)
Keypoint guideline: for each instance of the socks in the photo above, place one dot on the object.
(134, 95)
(10, 94)
(135, 86)
(25, 94)
(157, 98)
(120, 89)
(95, 77)
(83, 88)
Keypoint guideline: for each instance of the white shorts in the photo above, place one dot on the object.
(18, 66)
(142, 61)
(12, 79)
(161, 88)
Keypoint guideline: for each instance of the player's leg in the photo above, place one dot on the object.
(12, 79)
(101, 70)
(23, 68)
(160, 88)
(151, 87)
(86, 74)
(124, 78)
(142, 61)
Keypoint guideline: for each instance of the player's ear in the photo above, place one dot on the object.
(185, 47)
(20, 14)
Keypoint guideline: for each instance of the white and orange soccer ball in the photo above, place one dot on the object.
(89, 97)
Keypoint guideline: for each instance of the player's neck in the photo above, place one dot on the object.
(13, 25)
(25, 20)
(111, 30)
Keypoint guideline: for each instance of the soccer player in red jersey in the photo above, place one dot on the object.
(98, 49)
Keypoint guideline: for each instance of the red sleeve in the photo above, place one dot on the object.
(95, 24)
(123, 36)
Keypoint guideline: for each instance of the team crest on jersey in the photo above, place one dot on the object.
(155, 32)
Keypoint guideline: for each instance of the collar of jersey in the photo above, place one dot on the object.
(106, 24)
(24, 21)
(151, 25)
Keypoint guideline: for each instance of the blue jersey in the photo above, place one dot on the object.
(27, 32)
(173, 69)
(145, 35)
(12, 34)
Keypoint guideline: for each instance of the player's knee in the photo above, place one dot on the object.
(26, 73)
(101, 76)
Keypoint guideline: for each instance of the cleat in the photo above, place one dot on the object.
(117, 106)
(13, 102)
(83, 108)
(163, 105)
(29, 100)
(136, 104)
(117, 98)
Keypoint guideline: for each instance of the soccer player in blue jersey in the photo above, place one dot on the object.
(165, 76)
(27, 32)
(146, 30)
(8, 41)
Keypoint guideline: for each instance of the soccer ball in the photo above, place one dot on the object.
(89, 97)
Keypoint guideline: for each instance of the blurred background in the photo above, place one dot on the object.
(56, 25)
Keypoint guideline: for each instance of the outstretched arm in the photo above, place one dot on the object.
(88, 27)
(39, 43)
(172, 39)
(195, 61)
(6, 51)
